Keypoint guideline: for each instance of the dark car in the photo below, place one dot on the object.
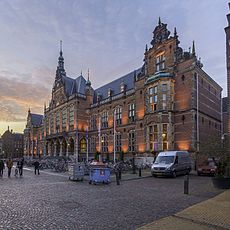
(207, 167)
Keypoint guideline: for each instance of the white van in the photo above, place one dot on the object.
(171, 163)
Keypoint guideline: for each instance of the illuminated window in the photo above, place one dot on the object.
(83, 145)
(165, 136)
(131, 112)
(160, 63)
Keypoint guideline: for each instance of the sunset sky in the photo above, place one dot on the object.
(108, 37)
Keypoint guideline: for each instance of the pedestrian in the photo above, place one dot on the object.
(36, 167)
(20, 166)
(2, 167)
(9, 164)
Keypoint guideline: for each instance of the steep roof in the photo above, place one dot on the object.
(73, 86)
(115, 85)
(36, 119)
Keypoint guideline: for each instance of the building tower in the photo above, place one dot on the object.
(227, 31)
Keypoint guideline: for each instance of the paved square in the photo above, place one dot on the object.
(51, 201)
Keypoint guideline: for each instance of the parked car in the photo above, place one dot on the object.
(207, 167)
(171, 163)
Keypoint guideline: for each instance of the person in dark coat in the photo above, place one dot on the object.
(36, 167)
(20, 166)
(9, 164)
(2, 166)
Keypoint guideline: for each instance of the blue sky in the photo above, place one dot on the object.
(106, 36)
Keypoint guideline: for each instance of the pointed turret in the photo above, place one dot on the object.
(146, 48)
(175, 32)
(193, 48)
(88, 83)
(159, 21)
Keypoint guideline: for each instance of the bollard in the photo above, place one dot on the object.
(186, 184)
(139, 172)
(117, 178)
(119, 174)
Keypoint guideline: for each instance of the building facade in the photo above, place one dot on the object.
(12, 144)
(169, 103)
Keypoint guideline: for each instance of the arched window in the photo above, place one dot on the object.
(83, 145)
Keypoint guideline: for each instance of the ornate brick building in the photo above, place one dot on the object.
(169, 103)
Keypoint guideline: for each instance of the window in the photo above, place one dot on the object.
(58, 122)
(52, 124)
(83, 145)
(160, 63)
(165, 136)
(118, 115)
(132, 141)
(64, 118)
(131, 112)
(104, 120)
(71, 118)
(92, 142)
(153, 98)
(104, 143)
(164, 87)
(153, 138)
(118, 142)
(164, 99)
(93, 122)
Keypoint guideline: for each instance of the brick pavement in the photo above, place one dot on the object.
(51, 201)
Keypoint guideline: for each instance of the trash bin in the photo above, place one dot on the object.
(76, 172)
(99, 173)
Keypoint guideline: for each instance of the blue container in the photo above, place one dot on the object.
(99, 175)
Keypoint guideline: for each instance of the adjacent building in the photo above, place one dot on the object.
(12, 144)
(169, 103)
(226, 101)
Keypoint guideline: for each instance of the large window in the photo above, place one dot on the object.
(104, 120)
(153, 98)
(104, 143)
(118, 142)
(131, 112)
(165, 136)
(71, 118)
(160, 62)
(153, 138)
(132, 141)
(64, 118)
(118, 115)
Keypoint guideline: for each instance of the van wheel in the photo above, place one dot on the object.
(174, 174)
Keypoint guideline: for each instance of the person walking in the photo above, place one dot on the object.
(36, 167)
(9, 164)
(20, 166)
(2, 167)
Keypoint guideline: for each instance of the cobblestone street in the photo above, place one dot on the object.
(51, 201)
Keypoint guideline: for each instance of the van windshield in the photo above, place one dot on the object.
(164, 160)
